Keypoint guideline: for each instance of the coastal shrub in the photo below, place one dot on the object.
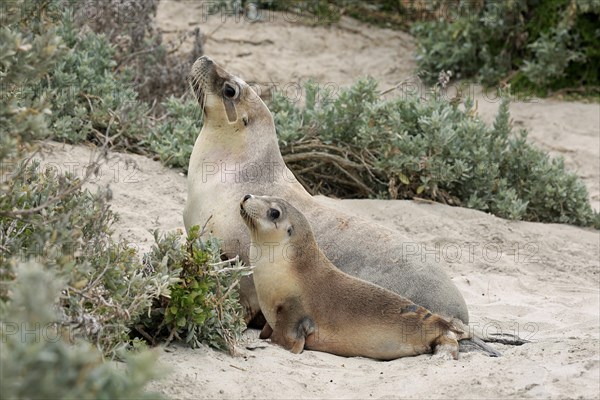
(99, 93)
(40, 359)
(48, 216)
(358, 145)
(90, 101)
(173, 139)
(399, 148)
(202, 307)
(539, 47)
(158, 69)
(70, 234)
(107, 290)
(60, 269)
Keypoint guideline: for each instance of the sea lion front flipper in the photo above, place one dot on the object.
(290, 332)
(286, 340)
(301, 331)
(266, 331)
(298, 346)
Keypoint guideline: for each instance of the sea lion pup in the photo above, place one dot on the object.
(237, 152)
(309, 303)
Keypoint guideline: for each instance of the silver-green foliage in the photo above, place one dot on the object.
(537, 46)
(94, 99)
(173, 139)
(48, 219)
(104, 284)
(203, 305)
(38, 359)
(90, 102)
(24, 58)
(437, 149)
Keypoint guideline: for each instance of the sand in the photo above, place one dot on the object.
(540, 281)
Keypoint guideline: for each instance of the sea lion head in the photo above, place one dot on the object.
(267, 218)
(224, 98)
(274, 221)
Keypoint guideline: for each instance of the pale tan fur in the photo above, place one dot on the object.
(239, 135)
(311, 304)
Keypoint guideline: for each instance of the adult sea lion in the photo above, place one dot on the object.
(309, 303)
(237, 153)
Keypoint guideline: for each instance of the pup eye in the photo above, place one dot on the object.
(274, 213)
(290, 230)
(229, 91)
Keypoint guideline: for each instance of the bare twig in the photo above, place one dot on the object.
(145, 334)
(203, 230)
(172, 334)
(126, 59)
(367, 190)
(225, 262)
(396, 86)
(209, 36)
(97, 280)
(306, 186)
(232, 269)
(322, 156)
(341, 182)
(315, 144)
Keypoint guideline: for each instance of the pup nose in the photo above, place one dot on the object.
(246, 197)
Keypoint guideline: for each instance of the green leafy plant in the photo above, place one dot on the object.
(203, 306)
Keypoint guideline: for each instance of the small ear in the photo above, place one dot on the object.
(230, 110)
(245, 120)
(290, 230)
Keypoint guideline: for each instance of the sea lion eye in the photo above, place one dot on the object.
(229, 91)
(274, 213)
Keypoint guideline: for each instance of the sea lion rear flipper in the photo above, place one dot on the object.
(293, 336)
(305, 327)
(478, 345)
(505, 338)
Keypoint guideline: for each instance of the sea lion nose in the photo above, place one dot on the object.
(246, 197)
